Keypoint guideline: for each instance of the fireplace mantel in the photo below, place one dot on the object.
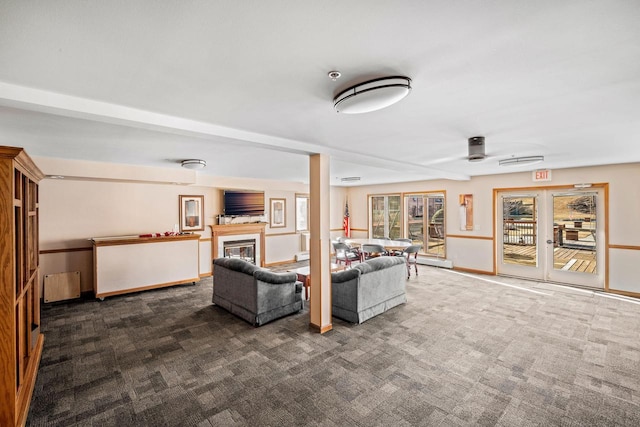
(239, 230)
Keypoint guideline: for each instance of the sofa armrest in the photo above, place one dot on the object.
(234, 286)
(275, 290)
(345, 275)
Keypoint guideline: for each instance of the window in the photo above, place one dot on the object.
(385, 217)
(424, 219)
(302, 212)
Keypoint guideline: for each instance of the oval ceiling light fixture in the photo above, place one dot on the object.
(372, 95)
(521, 161)
(193, 164)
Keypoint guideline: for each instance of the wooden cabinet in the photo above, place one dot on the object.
(20, 338)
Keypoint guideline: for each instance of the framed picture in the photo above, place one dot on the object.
(277, 213)
(191, 213)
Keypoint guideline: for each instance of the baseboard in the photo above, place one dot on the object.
(474, 271)
(435, 262)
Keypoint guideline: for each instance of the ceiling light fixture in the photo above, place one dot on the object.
(193, 164)
(521, 161)
(372, 95)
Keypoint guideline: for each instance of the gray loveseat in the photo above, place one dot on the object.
(368, 289)
(254, 294)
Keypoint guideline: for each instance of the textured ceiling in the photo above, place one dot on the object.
(244, 85)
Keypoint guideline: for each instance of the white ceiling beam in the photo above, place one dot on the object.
(71, 106)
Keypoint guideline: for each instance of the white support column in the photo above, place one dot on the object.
(320, 239)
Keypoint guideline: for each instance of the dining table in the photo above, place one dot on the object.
(390, 245)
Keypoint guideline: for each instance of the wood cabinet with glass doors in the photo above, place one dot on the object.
(20, 339)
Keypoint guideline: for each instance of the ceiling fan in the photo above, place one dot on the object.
(476, 151)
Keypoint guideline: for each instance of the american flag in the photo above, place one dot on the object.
(345, 223)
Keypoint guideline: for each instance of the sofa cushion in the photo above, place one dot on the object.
(236, 264)
(380, 263)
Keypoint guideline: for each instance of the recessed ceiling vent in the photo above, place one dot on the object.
(476, 149)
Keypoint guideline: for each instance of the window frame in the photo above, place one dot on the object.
(387, 229)
(302, 196)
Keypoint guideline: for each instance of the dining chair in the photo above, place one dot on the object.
(411, 255)
(399, 252)
(373, 251)
(346, 254)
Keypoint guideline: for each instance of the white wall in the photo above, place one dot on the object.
(72, 212)
(477, 254)
(145, 200)
(92, 202)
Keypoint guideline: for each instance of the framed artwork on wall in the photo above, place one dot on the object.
(191, 213)
(277, 213)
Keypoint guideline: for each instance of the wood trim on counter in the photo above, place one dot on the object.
(89, 248)
(133, 240)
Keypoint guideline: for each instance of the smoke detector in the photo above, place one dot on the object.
(476, 149)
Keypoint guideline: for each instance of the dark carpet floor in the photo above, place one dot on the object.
(464, 350)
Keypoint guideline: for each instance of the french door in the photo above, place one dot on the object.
(552, 235)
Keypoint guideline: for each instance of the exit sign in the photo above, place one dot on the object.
(542, 175)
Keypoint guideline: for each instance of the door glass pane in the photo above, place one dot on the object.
(385, 217)
(519, 244)
(574, 229)
(435, 216)
(377, 217)
(393, 230)
(415, 219)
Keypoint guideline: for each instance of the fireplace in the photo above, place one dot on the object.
(240, 249)
(223, 235)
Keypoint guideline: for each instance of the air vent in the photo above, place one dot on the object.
(476, 149)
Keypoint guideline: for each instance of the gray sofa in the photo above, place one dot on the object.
(368, 289)
(254, 294)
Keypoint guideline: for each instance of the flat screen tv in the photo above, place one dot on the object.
(243, 202)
